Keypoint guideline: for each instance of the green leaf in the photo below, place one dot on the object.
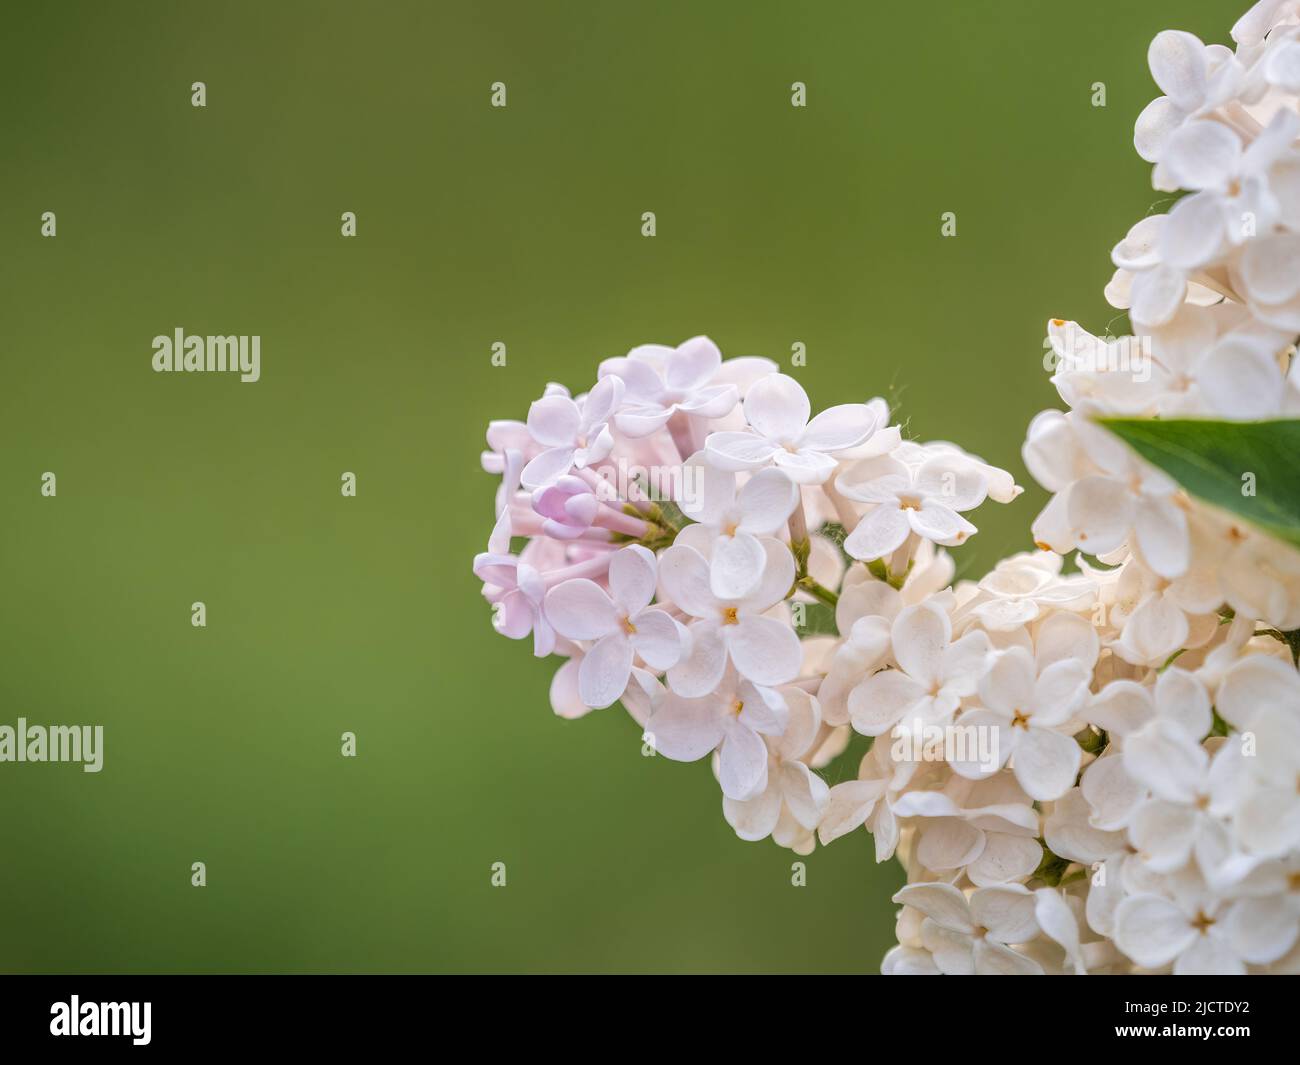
(1212, 459)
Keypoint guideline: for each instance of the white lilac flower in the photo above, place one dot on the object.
(691, 379)
(852, 803)
(1106, 497)
(1254, 685)
(1069, 832)
(1022, 587)
(971, 936)
(573, 432)
(1233, 200)
(1268, 281)
(934, 673)
(777, 411)
(734, 520)
(1261, 579)
(864, 614)
(1178, 697)
(1190, 932)
(515, 588)
(1265, 924)
(989, 834)
(732, 719)
(1195, 80)
(1111, 374)
(924, 501)
(621, 623)
(1025, 703)
(763, 649)
(791, 805)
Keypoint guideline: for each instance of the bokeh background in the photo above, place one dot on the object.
(475, 225)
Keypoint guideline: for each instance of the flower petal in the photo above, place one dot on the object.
(1058, 923)
(1241, 379)
(1177, 62)
(1166, 761)
(1008, 686)
(553, 421)
(839, 428)
(1270, 267)
(742, 762)
(738, 451)
(657, 639)
(1156, 295)
(766, 501)
(848, 806)
(632, 578)
(949, 843)
(994, 959)
(692, 364)
(778, 577)
(684, 730)
(700, 672)
(547, 467)
(1152, 930)
(1161, 527)
(684, 577)
(1202, 155)
(1195, 231)
(1113, 796)
(1253, 684)
(1060, 689)
(920, 636)
(754, 818)
(736, 566)
(1121, 707)
(765, 710)
(1101, 509)
(942, 903)
(1155, 125)
(764, 650)
(1183, 701)
(1006, 858)
(956, 484)
(601, 402)
(880, 533)
(776, 407)
(1261, 930)
(580, 610)
(1209, 956)
(806, 794)
(1163, 833)
(878, 703)
(605, 669)
(805, 466)
(937, 523)
(1046, 763)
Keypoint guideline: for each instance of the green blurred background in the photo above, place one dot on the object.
(475, 225)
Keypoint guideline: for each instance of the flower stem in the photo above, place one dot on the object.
(817, 590)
